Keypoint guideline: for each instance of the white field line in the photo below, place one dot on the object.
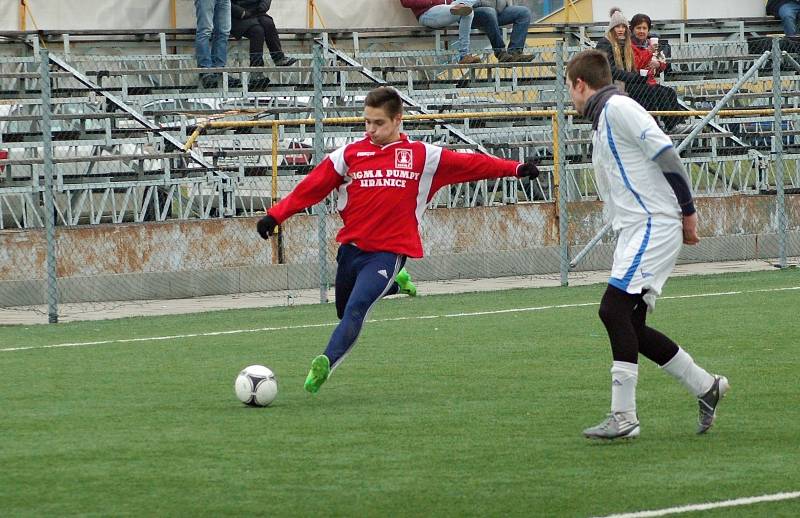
(713, 505)
(395, 319)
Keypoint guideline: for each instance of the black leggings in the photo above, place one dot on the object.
(263, 32)
(656, 98)
(624, 316)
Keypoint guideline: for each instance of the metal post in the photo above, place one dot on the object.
(780, 199)
(319, 154)
(721, 103)
(49, 210)
(561, 165)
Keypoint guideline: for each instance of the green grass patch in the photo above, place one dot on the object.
(450, 416)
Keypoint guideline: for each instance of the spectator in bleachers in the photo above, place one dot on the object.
(250, 19)
(490, 15)
(627, 74)
(649, 48)
(438, 14)
(789, 13)
(211, 37)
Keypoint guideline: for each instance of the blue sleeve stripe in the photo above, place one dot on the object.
(668, 146)
(620, 166)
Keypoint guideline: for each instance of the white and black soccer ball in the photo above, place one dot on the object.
(256, 386)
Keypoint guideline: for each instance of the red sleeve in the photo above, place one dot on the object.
(469, 167)
(311, 190)
(421, 4)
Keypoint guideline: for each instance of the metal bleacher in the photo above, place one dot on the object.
(112, 167)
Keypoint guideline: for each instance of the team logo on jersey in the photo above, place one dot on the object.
(403, 159)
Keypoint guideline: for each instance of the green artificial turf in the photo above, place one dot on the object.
(456, 414)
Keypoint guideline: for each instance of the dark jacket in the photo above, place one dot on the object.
(618, 74)
(245, 13)
(774, 5)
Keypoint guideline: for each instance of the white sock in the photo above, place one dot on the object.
(683, 368)
(624, 376)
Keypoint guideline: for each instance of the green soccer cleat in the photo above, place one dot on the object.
(403, 279)
(320, 370)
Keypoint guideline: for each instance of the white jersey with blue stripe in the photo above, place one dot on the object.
(630, 183)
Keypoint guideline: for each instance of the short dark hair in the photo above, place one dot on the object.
(387, 98)
(639, 18)
(591, 66)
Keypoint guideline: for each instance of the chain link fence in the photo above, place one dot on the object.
(136, 217)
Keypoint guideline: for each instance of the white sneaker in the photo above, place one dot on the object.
(618, 425)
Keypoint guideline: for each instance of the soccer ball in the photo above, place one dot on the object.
(256, 386)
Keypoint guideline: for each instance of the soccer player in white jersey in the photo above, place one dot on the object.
(648, 198)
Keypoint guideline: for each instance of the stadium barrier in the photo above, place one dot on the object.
(493, 229)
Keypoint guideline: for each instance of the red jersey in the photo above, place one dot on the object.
(384, 190)
(642, 57)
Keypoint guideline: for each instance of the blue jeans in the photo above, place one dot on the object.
(489, 21)
(213, 28)
(788, 14)
(439, 16)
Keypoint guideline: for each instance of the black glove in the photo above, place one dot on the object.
(528, 169)
(266, 226)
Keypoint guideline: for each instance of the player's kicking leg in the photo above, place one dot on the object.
(374, 277)
(320, 370)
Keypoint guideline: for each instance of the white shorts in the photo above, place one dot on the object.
(645, 256)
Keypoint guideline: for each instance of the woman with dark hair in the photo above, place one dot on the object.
(650, 55)
(651, 51)
(633, 72)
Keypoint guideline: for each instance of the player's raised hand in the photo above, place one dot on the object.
(528, 169)
(266, 226)
(690, 230)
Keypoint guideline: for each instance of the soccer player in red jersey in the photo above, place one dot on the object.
(384, 184)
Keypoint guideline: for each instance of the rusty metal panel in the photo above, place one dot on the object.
(23, 254)
(186, 246)
(136, 248)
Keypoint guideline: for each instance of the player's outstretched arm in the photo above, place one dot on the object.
(470, 167)
(311, 190)
(266, 226)
(528, 169)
